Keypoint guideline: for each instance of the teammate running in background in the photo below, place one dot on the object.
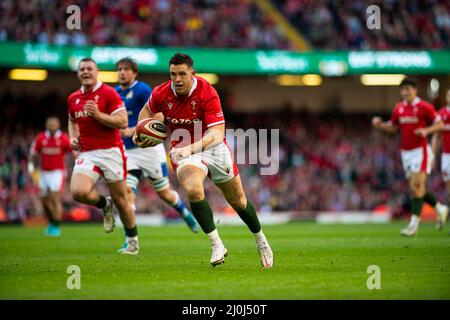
(96, 113)
(416, 119)
(149, 162)
(442, 139)
(189, 104)
(51, 147)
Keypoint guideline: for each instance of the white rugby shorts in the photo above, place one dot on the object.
(152, 162)
(417, 160)
(52, 181)
(217, 163)
(108, 163)
(445, 166)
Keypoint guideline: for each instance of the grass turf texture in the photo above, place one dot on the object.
(311, 262)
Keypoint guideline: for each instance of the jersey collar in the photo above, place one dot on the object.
(413, 103)
(97, 86)
(57, 133)
(133, 84)
(194, 86)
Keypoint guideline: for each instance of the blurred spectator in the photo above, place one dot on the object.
(330, 24)
(199, 23)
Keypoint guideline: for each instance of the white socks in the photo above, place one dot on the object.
(414, 221)
(131, 238)
(214, 238)
(259, 237)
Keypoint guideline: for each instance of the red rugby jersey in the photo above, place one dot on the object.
(93, 134)
(411, 116)
(201, 106)
(444, 112)
(52, 149)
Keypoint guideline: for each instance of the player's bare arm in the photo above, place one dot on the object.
(425, 132)
(74, 134)
(436, 142)
(385, 126)
(212, 138)
(117, 120)
(144, 114)
(127, 132)
(33, 163)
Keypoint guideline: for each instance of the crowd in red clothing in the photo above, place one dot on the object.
(180, 23)
(327, 162)
(335, 25)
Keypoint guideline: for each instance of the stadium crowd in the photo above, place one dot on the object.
(327, 24)
(200, 23)
(330, 24)
(327, 162)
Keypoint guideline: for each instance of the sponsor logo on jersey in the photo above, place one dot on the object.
(51, 151)
(182, 121)
(408, 119)
(82, 114)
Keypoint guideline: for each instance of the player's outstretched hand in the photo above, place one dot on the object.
(143, 143)
(75, 144)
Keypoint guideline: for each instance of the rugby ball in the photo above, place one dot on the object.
(151, 129)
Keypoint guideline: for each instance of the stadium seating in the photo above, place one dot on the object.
(155, 22)
(335, 25)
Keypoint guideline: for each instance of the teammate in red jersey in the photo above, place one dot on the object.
(51, 147)
(188, 104)
(96, 113)
(442, 139)
(416, 119)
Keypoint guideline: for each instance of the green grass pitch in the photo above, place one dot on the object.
(311, 262)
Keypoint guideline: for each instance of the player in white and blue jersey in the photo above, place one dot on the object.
(149, 162)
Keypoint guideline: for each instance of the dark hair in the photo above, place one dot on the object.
(87, 59)
(129, 62)
(408, 82)
(181, 58)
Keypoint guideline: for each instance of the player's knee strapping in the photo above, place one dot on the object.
(133, 181)
(160, 184)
